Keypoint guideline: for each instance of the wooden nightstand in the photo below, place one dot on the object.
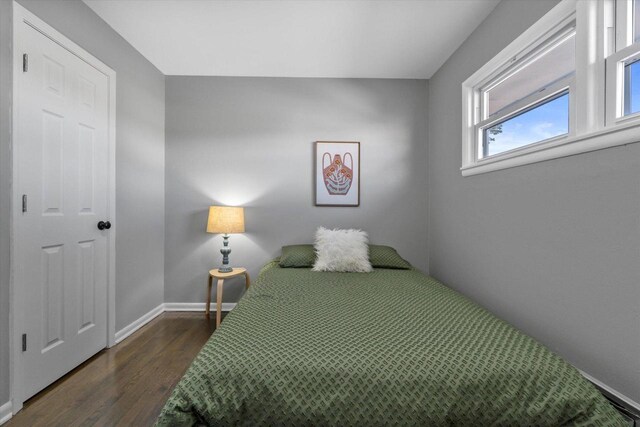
(221, 277)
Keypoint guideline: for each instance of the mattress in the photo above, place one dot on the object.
(391, 347)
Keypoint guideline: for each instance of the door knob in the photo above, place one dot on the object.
(104, 225)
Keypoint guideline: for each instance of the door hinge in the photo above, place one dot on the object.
(24, 342)
(25, 62)
(24, 203)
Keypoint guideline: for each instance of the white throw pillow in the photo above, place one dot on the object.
(342, 250)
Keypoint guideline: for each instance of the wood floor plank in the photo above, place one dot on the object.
(124, 385)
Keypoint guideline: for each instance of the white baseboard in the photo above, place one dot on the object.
(626, 400)
(139, 323)
(167, 306)
(196, 306)
(6, 412)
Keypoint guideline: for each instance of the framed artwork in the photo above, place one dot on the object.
(337, 173)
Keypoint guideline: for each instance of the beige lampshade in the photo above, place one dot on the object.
(225, 220)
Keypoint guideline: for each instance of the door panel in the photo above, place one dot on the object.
(86, 160)
(61, 266)
(52, 160)
(52, 296)
(87, 292)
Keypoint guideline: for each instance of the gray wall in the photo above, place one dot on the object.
(139, 154)
(249, 141)
(551, 247)
(5, 176)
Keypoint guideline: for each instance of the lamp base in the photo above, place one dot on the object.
(225, 251)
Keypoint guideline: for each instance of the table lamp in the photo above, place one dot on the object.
(225, 220)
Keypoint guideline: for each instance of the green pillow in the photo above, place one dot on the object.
(297, 256)
(386, 257)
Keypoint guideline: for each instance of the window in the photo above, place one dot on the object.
(568, 85)
(632, 88)
(623, 65)
(546, 120)
(529, 101)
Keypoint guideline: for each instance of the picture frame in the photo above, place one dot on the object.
(337, 173)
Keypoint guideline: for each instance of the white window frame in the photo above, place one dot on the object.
(549, 93)
(590, 125)
(626, 52)
(530, 102)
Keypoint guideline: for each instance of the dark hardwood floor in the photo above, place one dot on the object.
(126, 385)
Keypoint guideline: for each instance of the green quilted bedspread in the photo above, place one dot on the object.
(390, 347)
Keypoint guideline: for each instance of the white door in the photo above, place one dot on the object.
(62, 145)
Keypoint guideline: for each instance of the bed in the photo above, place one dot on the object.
(391, 347)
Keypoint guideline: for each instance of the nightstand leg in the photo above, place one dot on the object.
(247, 279)
(219, 302)
(206, 309)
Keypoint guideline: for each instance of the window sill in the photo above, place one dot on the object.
(622, 134)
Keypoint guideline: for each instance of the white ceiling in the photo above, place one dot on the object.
(295, 38)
